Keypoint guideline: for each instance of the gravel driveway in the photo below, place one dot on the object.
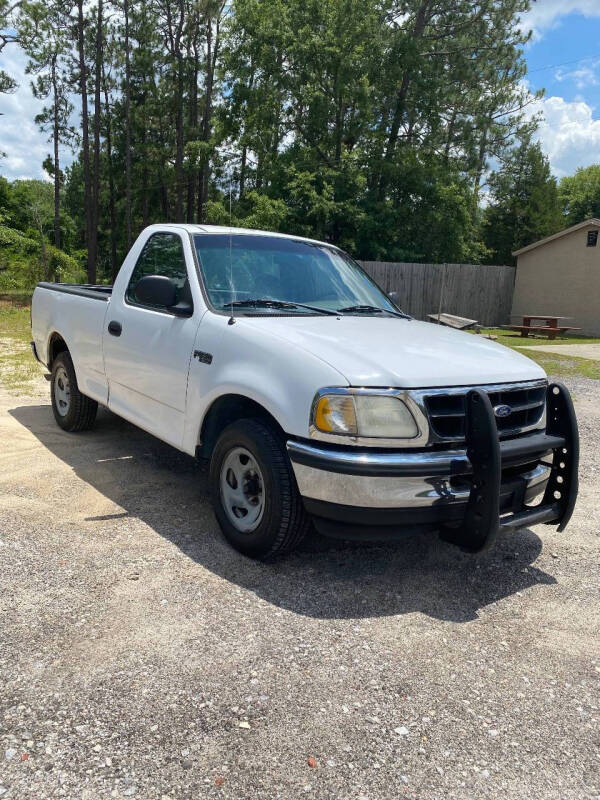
(141, 656)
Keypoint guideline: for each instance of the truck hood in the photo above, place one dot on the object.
(389, 351)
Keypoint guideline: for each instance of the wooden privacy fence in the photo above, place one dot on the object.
(478, 292)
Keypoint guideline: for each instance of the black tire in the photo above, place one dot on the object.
(75, 412)
(284, 521)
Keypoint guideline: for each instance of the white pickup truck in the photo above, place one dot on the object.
(311, 393)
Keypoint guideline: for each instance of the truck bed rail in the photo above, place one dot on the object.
(94, 292)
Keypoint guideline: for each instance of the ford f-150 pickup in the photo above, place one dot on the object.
(311, 393)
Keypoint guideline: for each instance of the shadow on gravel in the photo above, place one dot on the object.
(326, 579)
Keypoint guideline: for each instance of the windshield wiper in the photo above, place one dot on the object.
(265, 302)
(360, 309)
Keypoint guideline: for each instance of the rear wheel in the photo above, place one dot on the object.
(254, 491)
(73, 411)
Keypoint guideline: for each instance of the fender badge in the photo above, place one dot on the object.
(203, 358)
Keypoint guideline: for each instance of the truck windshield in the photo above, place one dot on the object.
(271, 274)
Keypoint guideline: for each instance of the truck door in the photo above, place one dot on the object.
(147, 350)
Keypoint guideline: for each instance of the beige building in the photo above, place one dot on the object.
(560, 276)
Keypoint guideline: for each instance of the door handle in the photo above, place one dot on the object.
(114, 328)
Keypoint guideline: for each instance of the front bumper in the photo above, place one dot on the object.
(487, 480)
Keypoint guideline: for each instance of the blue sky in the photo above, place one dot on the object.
(563, 57)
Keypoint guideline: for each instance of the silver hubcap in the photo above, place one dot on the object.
(242, 489)
(62, 391)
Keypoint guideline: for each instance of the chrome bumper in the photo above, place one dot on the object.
(471, 495)
(396, 480)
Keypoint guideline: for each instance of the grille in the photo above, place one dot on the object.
(446, 411)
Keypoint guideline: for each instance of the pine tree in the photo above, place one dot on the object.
(524, 204)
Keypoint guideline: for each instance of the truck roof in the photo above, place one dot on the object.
(226, 229)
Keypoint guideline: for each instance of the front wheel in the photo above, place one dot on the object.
(254, 493)
(73, 411)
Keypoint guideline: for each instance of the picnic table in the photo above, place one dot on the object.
(549, 328)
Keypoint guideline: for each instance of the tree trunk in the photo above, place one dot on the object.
(144, 180)
(111, 184)
(179, 142)
(164, 200)
(450, 136)
(211, 59)
(193, 122)
(55, 136)
(85, 144)
(401, 97)
(127, 128)
(479, 170)
(243, 172)
(95, 215)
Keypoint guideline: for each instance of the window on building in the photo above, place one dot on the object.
(592, 238)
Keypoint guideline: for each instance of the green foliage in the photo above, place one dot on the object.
(580, 195)
(524, 204)
(26, 255)
(7, 83)
(217, 214)
(19, 267)
(263, 213)
(368, 123)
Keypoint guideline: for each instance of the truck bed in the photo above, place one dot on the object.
(75, 314)
(96, 292)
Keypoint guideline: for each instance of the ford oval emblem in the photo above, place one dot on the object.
(502, 411)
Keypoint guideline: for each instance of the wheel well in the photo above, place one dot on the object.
(223, 412)
(56, 345)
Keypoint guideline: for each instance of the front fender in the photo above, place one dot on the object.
(281, 377)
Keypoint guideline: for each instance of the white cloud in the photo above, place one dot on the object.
(583, 77)
(569, 134)
(25, 145)
(546, 14)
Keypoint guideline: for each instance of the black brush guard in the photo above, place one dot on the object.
(483, 521)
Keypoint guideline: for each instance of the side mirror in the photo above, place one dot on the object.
(158, 290)
(393, 297)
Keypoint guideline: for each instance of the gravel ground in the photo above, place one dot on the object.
(141, 656)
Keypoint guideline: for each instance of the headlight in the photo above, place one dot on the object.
(366, 415)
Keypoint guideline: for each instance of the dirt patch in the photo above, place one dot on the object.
(19, 371)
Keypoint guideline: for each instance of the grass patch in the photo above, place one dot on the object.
(18, 368)
(511, 339)
(14, 321)
(566, 366)
(16, 297)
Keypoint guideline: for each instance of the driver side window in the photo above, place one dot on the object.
(162, 255)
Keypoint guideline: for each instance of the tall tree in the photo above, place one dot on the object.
(95, 193)
(127, 93)
(111, 172)
(580, 194)
(44, 39)
(81, 23)
(8, 35)
(524, 203)
(172, 15)
(214, 13)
